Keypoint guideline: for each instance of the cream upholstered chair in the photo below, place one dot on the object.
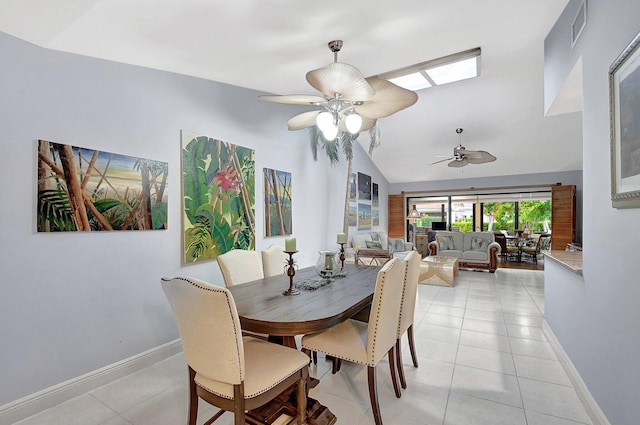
(407, 308)
(240, 266)
(227, 370)
(367, 343)
(273, 260)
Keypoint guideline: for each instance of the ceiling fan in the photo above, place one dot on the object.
(462, 156)
(349, 102)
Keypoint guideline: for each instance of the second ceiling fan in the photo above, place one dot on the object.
(463, 156)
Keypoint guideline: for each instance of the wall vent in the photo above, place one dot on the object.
(579, 23)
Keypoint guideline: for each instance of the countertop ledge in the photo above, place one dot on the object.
(571, 260)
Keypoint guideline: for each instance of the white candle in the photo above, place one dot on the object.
(342, 238)
(290, 244)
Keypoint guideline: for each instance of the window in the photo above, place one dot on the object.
(436, 72)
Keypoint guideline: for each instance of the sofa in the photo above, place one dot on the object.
(378, 240)
(475, 250)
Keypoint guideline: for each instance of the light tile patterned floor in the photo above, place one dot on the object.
(483, 361)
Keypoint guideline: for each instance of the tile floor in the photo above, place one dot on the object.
(483, 361)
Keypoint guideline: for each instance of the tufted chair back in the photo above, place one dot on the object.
(209, 328)
(385, 311)
(273, 259)
(240, 266)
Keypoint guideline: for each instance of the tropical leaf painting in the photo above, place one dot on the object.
(218, 187)
(277, 202)
(82, 189)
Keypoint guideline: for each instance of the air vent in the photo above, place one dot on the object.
(578, 23)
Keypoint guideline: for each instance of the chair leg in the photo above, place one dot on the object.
(373, 395)
(392, 370)
(412, 346)
(336, 364)
(193, 398)
(403, 382)
(302, 401)
(315, 357)
(238, 404)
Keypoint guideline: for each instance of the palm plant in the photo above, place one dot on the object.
(344, 141)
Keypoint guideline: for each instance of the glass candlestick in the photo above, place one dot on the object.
(291, 271)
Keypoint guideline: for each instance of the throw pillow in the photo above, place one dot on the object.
(373, 244)
(479, 244)
(445, 243)
(396, 244)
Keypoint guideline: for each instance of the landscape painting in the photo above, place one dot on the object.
(277, 200)
(85, 190)
(375, 216)
(374, 194)
(218, 188)
(353, 214)
(353, 187)
(364, 216)
(364, 187)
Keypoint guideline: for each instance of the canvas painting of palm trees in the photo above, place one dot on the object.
(277, 202)
(81, 189)
(218, 187)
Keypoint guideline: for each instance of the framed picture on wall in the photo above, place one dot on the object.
(624, 95)
(364, 187)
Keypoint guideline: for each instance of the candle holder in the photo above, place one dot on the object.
(291, 271)
(342, 256)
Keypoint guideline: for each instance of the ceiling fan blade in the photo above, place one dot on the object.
(303, 120)
(442, 160)
(388, 100)
(295, 99)
(342, 78)
(477, 157)
(458, 163)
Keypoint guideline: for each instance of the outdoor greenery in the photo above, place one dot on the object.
(532, 215)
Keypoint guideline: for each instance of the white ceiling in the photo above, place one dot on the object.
(269, 45)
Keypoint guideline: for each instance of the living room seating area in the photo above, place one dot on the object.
(476, 250)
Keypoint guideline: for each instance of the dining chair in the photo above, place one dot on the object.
(541, 245)
(407, 308)
(367, 343)
(227, 370)
(273, 260)
(240, 266)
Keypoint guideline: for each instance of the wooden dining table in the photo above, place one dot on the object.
(264, 309)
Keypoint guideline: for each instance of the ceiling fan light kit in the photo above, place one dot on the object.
(349, 103)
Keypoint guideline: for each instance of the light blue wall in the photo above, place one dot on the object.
(73, 303)
(597, 320)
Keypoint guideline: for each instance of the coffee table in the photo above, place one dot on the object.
(439, 270)
(373, 256)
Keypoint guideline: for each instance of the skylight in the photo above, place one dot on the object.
(436, 72)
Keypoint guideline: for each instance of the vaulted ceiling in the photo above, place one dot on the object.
(269, 46)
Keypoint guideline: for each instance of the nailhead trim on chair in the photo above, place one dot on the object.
(235, 331)
(264, 390)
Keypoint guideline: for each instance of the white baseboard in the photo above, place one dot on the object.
(591, 406)
(34, 403)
